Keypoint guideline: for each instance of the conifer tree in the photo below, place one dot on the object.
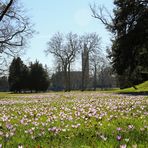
(38, 78)
(18, 75)
(129, 51)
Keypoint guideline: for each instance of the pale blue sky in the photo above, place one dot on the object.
(51, 16)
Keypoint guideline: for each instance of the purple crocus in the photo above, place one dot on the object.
(119, 137)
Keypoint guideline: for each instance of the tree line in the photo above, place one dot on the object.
(128, 53)
(69, 47)
(27, 78)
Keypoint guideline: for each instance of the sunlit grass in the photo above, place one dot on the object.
(140, 89)
(76, 119)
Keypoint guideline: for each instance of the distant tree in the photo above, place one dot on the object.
(38, 77)
(129, 52)
(97, 61)
(64, 49)
(90, 46)
(106, 78)
(18, 75)
(4, 86)
(15, 30)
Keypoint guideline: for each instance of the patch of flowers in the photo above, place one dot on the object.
(92, 118)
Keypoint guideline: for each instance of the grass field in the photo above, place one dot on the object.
(141, 88)
(73, 120)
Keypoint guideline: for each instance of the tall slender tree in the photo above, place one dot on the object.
(90, 45)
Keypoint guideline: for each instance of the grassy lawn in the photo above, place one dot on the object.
(76, 119)
(140, 89)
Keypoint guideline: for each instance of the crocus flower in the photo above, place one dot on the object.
(118, 137)
(119, 128)
(20, 146)
(130, 126)
(123, 146)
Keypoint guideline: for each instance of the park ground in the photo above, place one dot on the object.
(75, 119)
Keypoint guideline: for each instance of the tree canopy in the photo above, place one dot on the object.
(22, 78)
(129, 51)
(15, 29)
(18, 73)
(38, 77)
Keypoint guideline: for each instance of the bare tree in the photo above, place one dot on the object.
(64, 49)
(90, 45)
(15, 29)
(96, 62)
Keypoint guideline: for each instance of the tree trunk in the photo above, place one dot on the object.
(95, 78)
(84, 83)
(65, 78)
(69, 83)
(83, 77)
(85, 69)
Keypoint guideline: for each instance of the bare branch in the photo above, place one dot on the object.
(99, 13)
(6, 9)
(15, 29)
(64, 49)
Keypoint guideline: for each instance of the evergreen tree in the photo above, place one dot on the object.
(25, 78)
(18, 75)
(130, 47)
(4, 86)
(38, 78)
(129, 51)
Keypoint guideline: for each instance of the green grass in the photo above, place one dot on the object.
(73, 120)
(141, 89)
(3, 93)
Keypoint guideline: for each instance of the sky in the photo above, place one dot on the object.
(52, 16)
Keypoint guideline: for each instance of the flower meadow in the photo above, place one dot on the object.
(75, 119)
